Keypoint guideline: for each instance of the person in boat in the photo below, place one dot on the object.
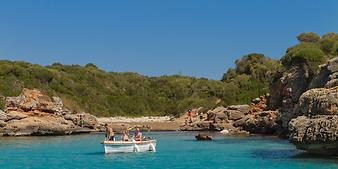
(137, 135)
(125, 136)
(109, 133)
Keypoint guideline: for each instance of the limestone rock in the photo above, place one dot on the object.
(316, 130)
(235, 114)
(3, 115)
(327, 76)
(30, 100)
(15, 115)
(263, 122)
(320, 101)
(197, 126)
(285, 93)
(89, 121)
(33, 113)
(217, 115)
(47, 125)
(245, 109)
(2, 123)
(317, 135)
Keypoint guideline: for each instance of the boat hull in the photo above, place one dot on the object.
(128, 147)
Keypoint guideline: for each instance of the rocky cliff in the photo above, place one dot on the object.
(34, 113)
(301, 106)
(308, 107)
(237, 119)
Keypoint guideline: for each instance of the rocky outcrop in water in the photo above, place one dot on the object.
(317, 135)
(34, 113)
(316, 130)
(203, 137)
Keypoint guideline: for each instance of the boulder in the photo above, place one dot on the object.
(217, 115)
(245, 109)
(47, 125)
(320, 101)
(89, 121)
(203, 137)
(316, 130)
(317, 135)
(234, 114)
(264, 122)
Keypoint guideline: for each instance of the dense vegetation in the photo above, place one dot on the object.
(311, 51)
(251, 77)
(87, 88)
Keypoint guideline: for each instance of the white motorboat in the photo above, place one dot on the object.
(129, 146)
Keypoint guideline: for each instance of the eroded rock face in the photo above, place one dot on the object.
(33, 113)
(15, 115)
(316, 130)
(328, 75)
(263, 122)
(88, 120)
(285, 93)
(321, 101)
(30, 100)
(47, 125)
(3, 116)
(317, 135)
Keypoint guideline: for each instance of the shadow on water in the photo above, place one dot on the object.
(305, 155)
(292, 154)
(274, 153)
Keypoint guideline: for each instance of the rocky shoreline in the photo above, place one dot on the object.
(35, 114)
(299, 107)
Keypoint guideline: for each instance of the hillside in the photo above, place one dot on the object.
(89, 89)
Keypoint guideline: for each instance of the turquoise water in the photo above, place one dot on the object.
(174, 150)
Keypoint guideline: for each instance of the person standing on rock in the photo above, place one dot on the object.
(201, 115)
(189, 116)
(81, 120)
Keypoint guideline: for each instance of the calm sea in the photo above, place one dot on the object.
(174, 150)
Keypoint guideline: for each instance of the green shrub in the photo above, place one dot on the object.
(329, 43)
(310, 57)
(308, 37)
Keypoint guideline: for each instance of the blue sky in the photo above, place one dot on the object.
(156, 37)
